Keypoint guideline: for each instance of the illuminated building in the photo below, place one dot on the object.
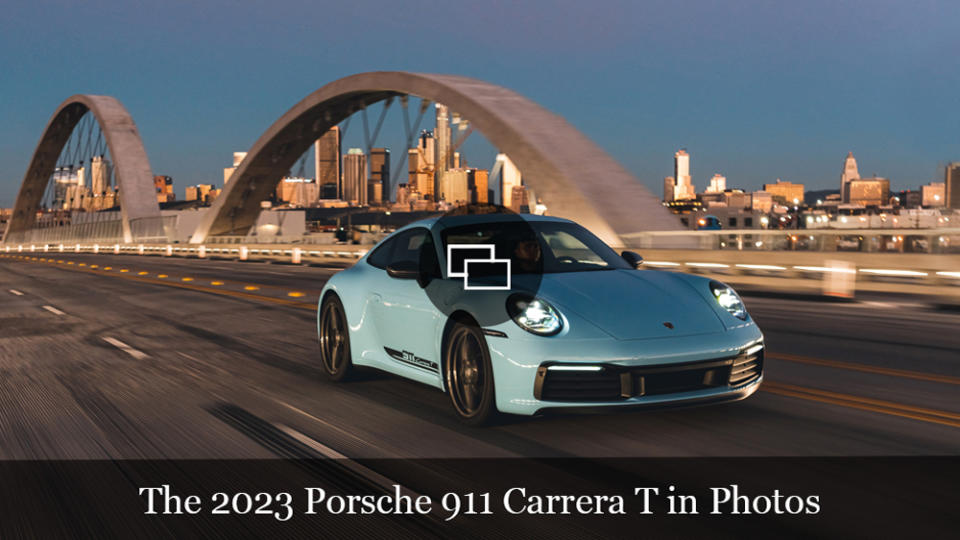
(326, 157)
(237, 160)
(952, 181)
(100, 170)
(510, 179)
(681, 172)
(933, 195)
(869, 191)
(355, 177)
(164, 188)
(849, 174)
(379, 175)
(786, 193)
(718, 184)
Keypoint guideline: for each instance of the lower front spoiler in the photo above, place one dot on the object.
(736, 394)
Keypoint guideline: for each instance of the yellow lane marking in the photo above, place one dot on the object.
(142, 273)
(295, 294)
(923, 414)
(108, 268)
(69, 262)
(124, 270)
(187, 279)
(251, 288)
(216, 283)
(866, 369)
(93, 266)
(162, 275)
(81, 264)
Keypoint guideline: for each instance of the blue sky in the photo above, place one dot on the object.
(754, 90)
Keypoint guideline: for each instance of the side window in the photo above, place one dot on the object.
(402, 247)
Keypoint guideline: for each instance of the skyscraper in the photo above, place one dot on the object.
(380, 172)
(510, 178)
(669, 189)
(100, 170)
(480, 186)
(933, 195)
(355, 177)
(717, 184)
(951, 178)
(849, 174)
(238, 158)
(455, 186)
(326, 156)
(442, 133)
(421, 161)
(681, 172)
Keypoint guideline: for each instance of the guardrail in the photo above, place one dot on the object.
(833, 273)
(294, 254)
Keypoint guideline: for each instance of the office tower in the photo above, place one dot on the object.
(237, 160)
(717, 184)
(164, 188)
(951, 179)
(849, 174)
(510, 178)
(933, 195)
(421, 163)
(355, 177)
(380, 173)
(761, 201)
(326, 155)
(868, 191)
(681, 172)
(786, 193)
(297, 191)
(442, 134)
(100, 170)
(518, 200)
(669, 189)
(455, 186)
(480, 186)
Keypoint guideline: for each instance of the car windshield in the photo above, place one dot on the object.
(548, 247)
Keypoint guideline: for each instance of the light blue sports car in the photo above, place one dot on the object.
(533, 314)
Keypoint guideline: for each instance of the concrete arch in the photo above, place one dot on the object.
(573, 176)
(134, 177)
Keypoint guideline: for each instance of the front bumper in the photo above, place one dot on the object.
(550, 375)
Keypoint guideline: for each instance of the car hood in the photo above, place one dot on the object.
(632, 304)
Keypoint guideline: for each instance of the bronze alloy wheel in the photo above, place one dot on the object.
(334, 340)
(469, 375)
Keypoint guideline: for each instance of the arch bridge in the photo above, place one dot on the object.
(572, 175)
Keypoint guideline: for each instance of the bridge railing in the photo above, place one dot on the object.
(892, 240)
(832, 273)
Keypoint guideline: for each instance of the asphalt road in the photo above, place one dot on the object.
(116, 362)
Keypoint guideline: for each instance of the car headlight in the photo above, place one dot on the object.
(534, 315)
(728, 300)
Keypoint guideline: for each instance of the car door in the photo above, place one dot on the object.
(405, 319)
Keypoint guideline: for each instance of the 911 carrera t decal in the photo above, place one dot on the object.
(408, 357)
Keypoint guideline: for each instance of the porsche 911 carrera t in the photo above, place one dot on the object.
(533, 314)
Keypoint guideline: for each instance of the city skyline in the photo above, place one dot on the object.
(758, 93)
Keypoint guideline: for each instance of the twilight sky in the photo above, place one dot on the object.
(754, 90)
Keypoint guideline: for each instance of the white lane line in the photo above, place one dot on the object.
(139, 355)
(16, 292)
(53, 310)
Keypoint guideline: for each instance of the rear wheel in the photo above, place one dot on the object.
(334, 340)
(469, 374)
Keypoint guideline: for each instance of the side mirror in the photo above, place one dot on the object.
(404, 270)
(633, 258)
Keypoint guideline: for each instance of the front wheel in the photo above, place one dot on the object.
(469, 375)
(334, 340)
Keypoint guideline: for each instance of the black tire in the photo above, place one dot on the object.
(334, 338)
(469, 374)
